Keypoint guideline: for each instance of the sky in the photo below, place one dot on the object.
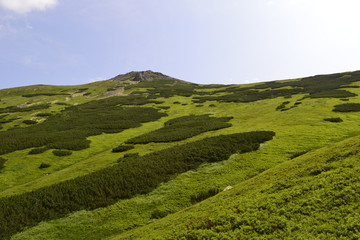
(67, 42)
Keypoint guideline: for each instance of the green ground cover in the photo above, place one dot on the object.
(315, 196)
(130, 177)
(299, 131)
(69, 129)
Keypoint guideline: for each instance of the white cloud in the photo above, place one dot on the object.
(25, 6)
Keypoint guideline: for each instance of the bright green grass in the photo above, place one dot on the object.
(297, 129)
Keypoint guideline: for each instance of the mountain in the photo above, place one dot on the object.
(147, 156)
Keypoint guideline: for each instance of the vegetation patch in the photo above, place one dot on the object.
(62, 153)
(62, 104)
(282, 105)
(81, 90)
(298, 154)
(44, 94)
(44, 165)
(2, 162)
(122, 148)
(182, 128)
(7, 120)
(158, 214)
(204, 195)
(129, 155)
(335, 120)
(166, 88)
(124, 180)
(38, 150)
(347, 107)
(12, 109)
(43, 114)
(163, 107)
(333, 94)
(320, 86)
(70, 128)
(30, 122)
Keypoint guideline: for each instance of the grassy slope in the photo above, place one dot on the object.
(297, 130)
(314, 196)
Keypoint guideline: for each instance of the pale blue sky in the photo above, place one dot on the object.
(203, 41)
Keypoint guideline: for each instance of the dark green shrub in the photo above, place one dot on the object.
(212, 105)
(30, 122)
(43, 114)
(38, 150)
(82, 89)
(176, 102)
(182, 128)
(163, 107)
(122, 148)
(2, 162)
(347, 107)
(320, 170)
(68, 143)
(333, 94)
(200, 105)
(43, 94)
(44, 165)
(61, 153)
(62, 104)
(131, 155)
(12, 109)
(203, 195)
(336, 120)
(6, 120)
(282, 106)
(199, 100)
(158, 214)
(321, 86)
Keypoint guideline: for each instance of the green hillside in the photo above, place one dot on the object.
(147, 153)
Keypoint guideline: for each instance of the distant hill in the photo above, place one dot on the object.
(147, 156)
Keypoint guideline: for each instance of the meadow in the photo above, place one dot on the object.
(275, 188)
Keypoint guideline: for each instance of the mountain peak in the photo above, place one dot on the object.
(141, 76)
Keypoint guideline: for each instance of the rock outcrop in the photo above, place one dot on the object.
(141, 76)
